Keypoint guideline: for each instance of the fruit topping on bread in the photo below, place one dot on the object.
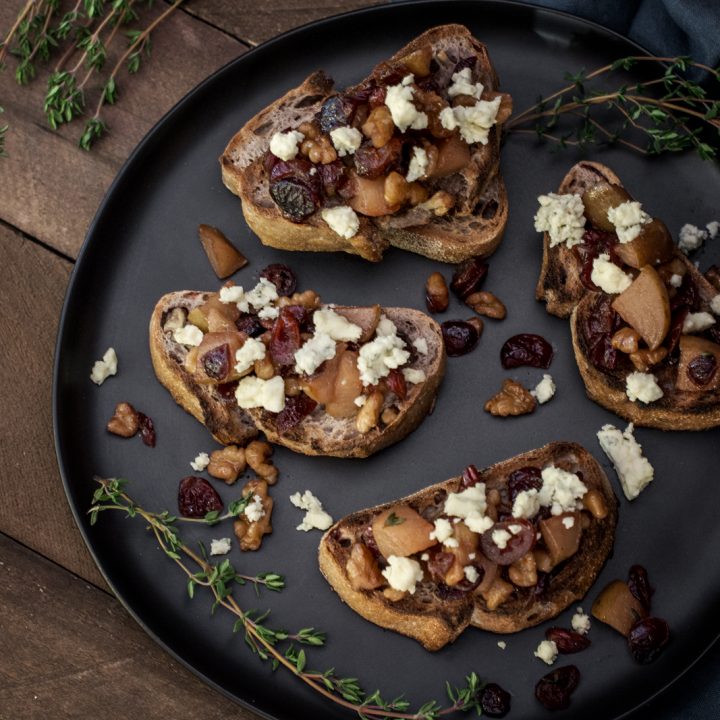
(503, 548)
(407, 157)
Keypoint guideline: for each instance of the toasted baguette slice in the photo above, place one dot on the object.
(480, 211)
(318, 433)
(559, 285)
(435, 614)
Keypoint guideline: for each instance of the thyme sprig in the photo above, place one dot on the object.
(667, 113)
(280, 647)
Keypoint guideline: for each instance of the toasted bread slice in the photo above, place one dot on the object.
(318, 433)
(480, 208)
(436, 614)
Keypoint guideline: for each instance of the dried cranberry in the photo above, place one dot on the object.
(448, 592)
(296, 409)
(494, 701)
(429, 84)
(298, 168)
(639, 585)
(388, 74)
(333, 177)
(301, 314)
(460, 337)
(470, 477)
(368, 539)
(335, 112)
(216, 362)
(469, 277)
(701, 369)
(396, 383)
(372, 162)
(600, 324)
(522, 479)
(226, 391)
(282, 277)
(519, 542)
(294, 198)
(686, 295)
(146, 430)
(285, 338)
(197, 497)
(543, 582)
(554, 689)
(647, 639)
(567, 641)
(269, 161)
(594, 243)
(713, 334)
(439, 564)
(526, 349)
(250, 325)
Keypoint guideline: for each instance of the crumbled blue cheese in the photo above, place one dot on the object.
(515, 529)
(474, 122)
(246, 356)
(220, 546)
(103, 369)
(628, 219)
(691, 238)
(462, 84)
(360, 400)
(262, 298)
(715, 304)
(414, 376)
(188, 335)
(608, 276)
(403, 573)
(643, 387)
(470, 505)
(385, 327)
(385, 353)
(568, 522)
(231, 294)
(421, 345)
(561, 490)
(443, 530)
(501, 644)
(547, 651)
(544, 390)
(201, 461)
(319, 348)
(285, 144)
(527, 504)
(418, 164)
(625, 453)
(580, 622)
(471, 573)
(697, 322)
(337, 326)
(713, 229)
(315, 517)
(346, 140)
(676, 280)
(501, 538)
(562, 217)
(342, 220)
(254, 510)
(254, 392)
(398, 99)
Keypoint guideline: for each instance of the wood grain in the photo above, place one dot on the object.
(70, 651)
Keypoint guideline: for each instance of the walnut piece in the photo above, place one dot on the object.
(513, 399)
(227, 464)
(250, 532)
(626, 340)
(369, 414)
(125, 422)
(309, 299)
(643, 360)
(257, 453)
(485, 303)
(379, 126)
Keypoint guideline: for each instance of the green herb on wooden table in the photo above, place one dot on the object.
(280, 647)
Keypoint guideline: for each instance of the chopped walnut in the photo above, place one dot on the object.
(485, 303)
(379, 126)
(309, 299)
(439, 204)
(513, 399)
(397, 190)
(626, 340)
(369, 414)
(318, 149)
(227, 464)
(264, 368)
(643, 360)
(125, 422)
(389, 415)
(250, 532)
(497, 593)
(436, 293)
(257, 453)
(523, 572)
(393, 595)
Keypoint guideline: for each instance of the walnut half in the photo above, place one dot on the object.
(249, 532)
(513, 399)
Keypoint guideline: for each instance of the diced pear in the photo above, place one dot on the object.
(599, 199)
(617, 607)
(561, 542)
(691, 348)
(401, 531)
(653, 246)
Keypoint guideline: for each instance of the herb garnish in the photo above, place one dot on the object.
(392, 519)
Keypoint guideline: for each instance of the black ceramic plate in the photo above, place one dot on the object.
(143, 243)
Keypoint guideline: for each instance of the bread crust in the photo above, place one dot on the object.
(438, 622)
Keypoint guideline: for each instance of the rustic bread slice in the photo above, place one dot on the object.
(559, 285)
(435, 615)
(243, 173)
(318, 433)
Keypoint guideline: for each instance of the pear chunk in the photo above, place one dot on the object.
(652, 246)
(599, 199)
(699, 366)
(618, 607)
(401, 531)
(645, 306)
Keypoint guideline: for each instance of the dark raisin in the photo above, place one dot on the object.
(285, 338)
(396, 384)
(647, 639)
(526, 349)
(567, 641)
(494, 701)
(372, 162)
(676, 325)
(146, 430)
(226, 391)
(197, 497)
(335, 111)
(294, 198)
(296, 409)
(522, 479)
(701, 369)
(300, 169)
(469, 277)
(554, 689)
(250, 325)
(460, 337)
(519, 542)
(686, 295)
(447, 592)
(333, 177)
(368, 539)
(639, 585)
(216, 362)
(282, 277)
(439, 564)
(470, 477)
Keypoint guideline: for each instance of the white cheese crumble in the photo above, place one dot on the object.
(403, 573)
(713, 229)
(676, 280)
(103, 369)
(502, 644)
(414, 376)
(501, 538)
(691, 238)
(261, 297)
(715, 304)
(346, 140)
(319, 348)
(338, 327)
(515, 529)
(385, 353)
(253, 392)
(422, 347)
(425, 557)
(342, 220)
(467, 503)
(471, 573)
(628, 219)
(625, 453)
(360, 400)
(547, 651)
(220, 546)
(285, 144)
(315, 517)
(580, 622)
(418, 164)
(643, 387)
(246, 356)
(398, 99)
(462, 84)
(231, 294)
(201, 461)
(568, 522)
(474, 122)
(443, 530)
(697, 322)
(544, 390)
(189, 334)
(608, 276)
(527, 504)
(561, 490)
(254, 510)
(562, 217)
